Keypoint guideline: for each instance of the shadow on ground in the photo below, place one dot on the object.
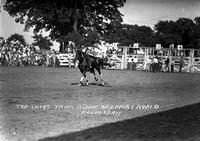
(178, 124)
(94, 84)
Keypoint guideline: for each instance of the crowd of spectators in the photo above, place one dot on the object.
(159, 64)
(16, 54)
(156, 64)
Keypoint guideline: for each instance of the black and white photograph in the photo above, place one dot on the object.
(99, 70)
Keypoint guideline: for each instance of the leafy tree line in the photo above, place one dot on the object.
(184, 31)
(42, 42)
(86, 22)
(129, 34)
(16, 37)
(39, 40)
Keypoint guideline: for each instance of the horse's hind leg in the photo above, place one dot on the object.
(95, 78)
(87, 82)
(101, 76)
(102, 81)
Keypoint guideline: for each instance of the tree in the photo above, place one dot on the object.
(186, 29)
(17, 37)
(66, 17)
(197, 33)
(177, 32)
(166, 33)
(42, 42)
(129, 34)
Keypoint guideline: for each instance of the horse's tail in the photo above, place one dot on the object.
(102, 62)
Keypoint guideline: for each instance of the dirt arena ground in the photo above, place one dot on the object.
(47, 104)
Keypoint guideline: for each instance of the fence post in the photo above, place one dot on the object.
(191, 61)
(124, 58)
(170, 60)
(145, 58)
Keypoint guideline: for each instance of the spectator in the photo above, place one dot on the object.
(155, 64)
(148, 62)
(135, 61)
(159, 64)
(70, 57)
(151, 64)
(181, 63)
(172, 65)
(47, 60)
(167, 64)
(57, 63)
(129, 63)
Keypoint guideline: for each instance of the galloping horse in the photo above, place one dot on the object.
(88, 63)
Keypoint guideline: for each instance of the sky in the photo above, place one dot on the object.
(141, 12)
(149, 12)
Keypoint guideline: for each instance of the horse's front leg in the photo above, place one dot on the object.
(102, 81)
(81, 80)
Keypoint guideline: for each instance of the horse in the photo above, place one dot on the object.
(89, 63)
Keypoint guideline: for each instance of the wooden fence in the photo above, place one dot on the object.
(190, 57)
